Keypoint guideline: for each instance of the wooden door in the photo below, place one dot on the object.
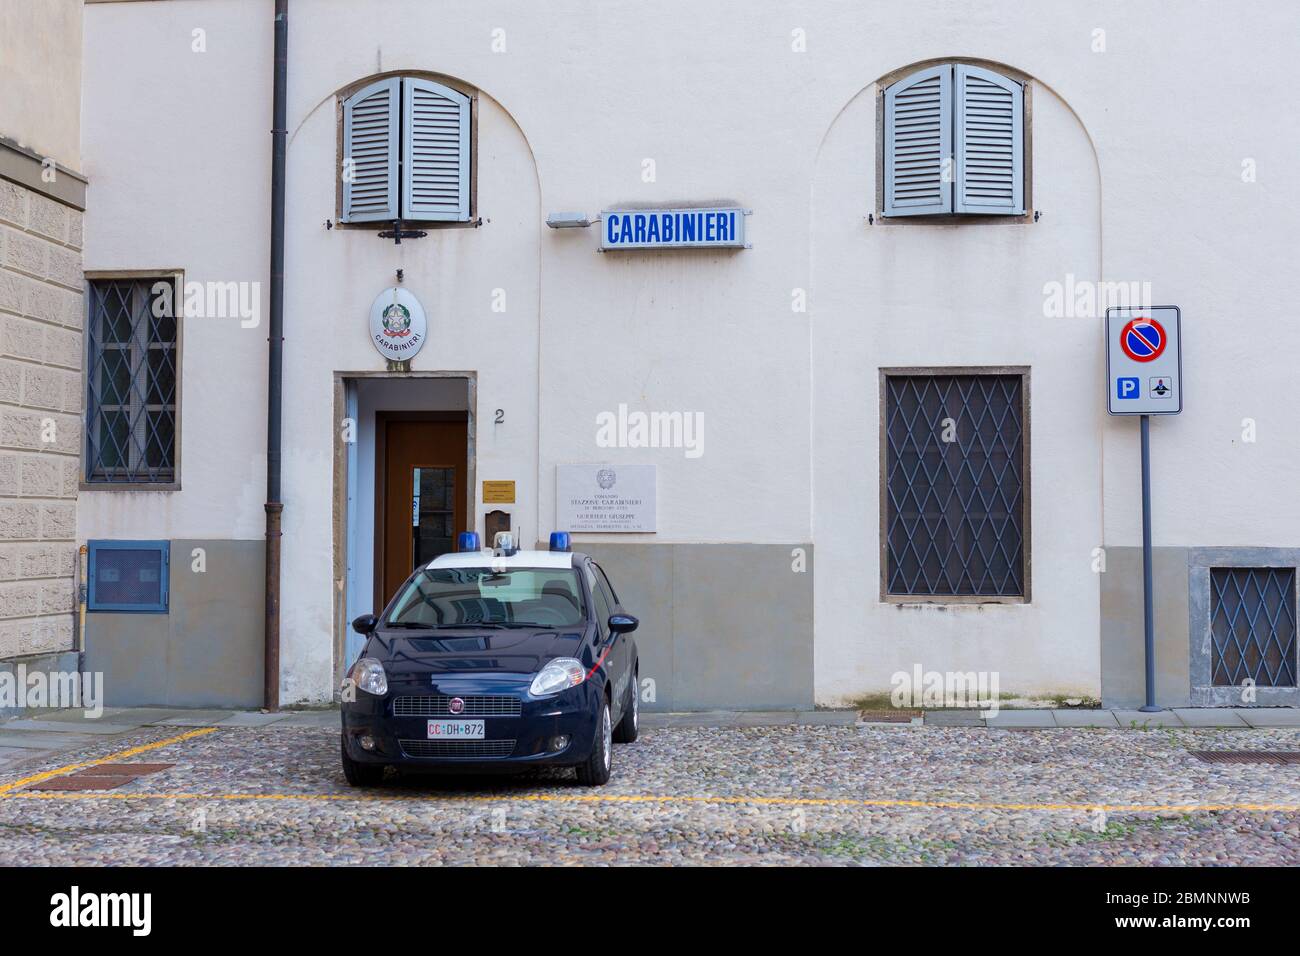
(422, 472)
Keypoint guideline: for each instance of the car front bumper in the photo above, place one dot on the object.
(509, 742)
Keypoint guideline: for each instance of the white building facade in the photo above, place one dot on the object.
(893, 450)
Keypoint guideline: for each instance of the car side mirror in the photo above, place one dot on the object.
(622, 623)
(365, 624)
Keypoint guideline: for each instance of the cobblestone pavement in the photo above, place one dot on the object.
(776, 795)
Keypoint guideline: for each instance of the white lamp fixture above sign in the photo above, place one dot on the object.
(398, 326)
(569, 220)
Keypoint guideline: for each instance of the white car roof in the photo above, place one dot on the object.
(520, 559)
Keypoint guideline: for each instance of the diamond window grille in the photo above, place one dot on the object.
(955, 508)
(131, 381)
(1253, 626)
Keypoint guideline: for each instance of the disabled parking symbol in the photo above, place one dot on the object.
(1127, 388)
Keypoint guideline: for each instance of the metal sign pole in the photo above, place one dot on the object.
(1147, 597)
(1144, 372)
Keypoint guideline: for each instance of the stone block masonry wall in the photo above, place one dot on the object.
(42, 313)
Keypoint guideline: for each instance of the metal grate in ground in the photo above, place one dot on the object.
(122, 769)
(1275, 757)
(888, 716)
(100, 776)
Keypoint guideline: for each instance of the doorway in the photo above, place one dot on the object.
(420, 478)
(404, 482)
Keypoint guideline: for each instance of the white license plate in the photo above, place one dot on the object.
(455, 730)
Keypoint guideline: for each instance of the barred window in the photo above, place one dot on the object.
(955, 507)
(131, 380)
(1253, 626)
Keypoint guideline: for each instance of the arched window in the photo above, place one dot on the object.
(954, 143)
(406, 152)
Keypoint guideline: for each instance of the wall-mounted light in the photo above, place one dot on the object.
(569, 220)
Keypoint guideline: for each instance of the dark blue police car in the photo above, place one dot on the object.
(500, 659)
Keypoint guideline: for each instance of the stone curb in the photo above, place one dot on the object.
(124, 719)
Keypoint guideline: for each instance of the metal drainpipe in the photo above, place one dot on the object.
(275, 356)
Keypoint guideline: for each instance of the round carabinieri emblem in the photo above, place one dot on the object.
(398, 326)
(397, 321)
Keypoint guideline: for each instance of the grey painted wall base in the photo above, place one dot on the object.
(723, 626)
(1122, 658)
(61, 662)
(1182, 611)
(206, 651)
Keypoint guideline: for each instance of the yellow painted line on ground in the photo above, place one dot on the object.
(652, 798)
(7, 790)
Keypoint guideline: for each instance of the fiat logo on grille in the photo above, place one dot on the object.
(456, 706)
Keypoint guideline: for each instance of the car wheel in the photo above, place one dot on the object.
(594, 771)
(360, 774)
(626, 731)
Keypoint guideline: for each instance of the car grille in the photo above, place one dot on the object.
(436, 705)
(464, 749)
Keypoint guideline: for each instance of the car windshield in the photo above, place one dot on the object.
(476, 597)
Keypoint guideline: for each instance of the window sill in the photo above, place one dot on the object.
(956, 219)
(129, 486)
(951, 600)
(126, 610)
(427, 224)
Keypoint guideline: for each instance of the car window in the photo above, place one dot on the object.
(603, 607)
(542, 597)
(609, 588)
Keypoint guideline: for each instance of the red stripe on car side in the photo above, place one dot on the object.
(595, 667)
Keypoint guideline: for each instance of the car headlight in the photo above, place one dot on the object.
(559, 674)
(368, 675)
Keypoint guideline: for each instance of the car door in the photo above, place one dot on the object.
(611, 644)
(623, 644)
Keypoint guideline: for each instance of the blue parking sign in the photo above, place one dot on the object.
(1127, 388)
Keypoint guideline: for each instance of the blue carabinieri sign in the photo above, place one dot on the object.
(672, 228)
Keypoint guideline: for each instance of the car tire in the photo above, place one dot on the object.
(360, 774)
(594, 771)
(626, 731)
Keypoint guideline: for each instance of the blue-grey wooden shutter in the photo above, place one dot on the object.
(370, 152)
(435, 152)
(990, 143)
(918, 144)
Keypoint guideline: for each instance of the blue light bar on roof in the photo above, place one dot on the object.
(467, 541)
(560, 541)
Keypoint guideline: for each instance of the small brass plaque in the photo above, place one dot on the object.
(498, 492)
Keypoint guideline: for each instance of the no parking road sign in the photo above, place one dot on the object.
(1144, 377)
(1144, 361)
(1143, 339)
